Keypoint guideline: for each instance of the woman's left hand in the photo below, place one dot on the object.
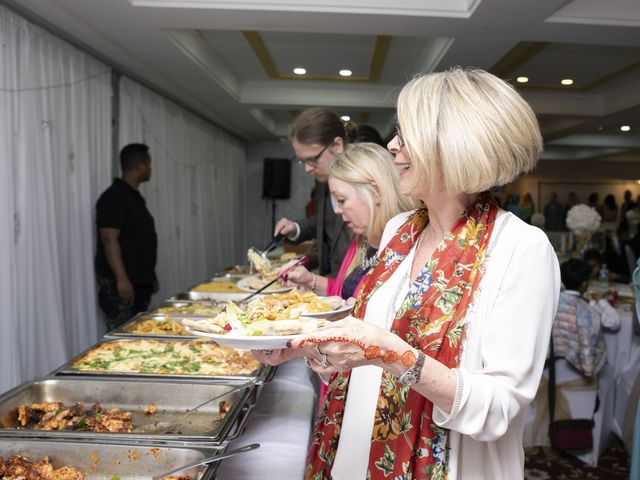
(348, 343)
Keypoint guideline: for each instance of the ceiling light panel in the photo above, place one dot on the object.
(321, 54)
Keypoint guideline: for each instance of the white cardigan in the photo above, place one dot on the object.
(507, 334)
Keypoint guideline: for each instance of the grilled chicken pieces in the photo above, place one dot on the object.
(57, 416)
(19, 468)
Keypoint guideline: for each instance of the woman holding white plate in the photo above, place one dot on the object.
(431, 376)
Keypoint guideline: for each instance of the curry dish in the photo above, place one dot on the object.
(165, 357)
(57, 416)
(218, 287)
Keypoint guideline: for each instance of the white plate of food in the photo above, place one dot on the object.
(265, 342)
(253, 283)
(294, 304)
(233, 328)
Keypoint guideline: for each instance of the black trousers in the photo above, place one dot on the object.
(116, 311)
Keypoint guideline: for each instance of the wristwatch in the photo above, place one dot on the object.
(411, 376)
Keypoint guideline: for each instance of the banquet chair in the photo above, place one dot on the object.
(575, 398)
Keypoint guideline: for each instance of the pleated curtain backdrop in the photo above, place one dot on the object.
(197, 189)
(55, 159)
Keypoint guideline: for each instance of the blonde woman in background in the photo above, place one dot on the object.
(364, 187)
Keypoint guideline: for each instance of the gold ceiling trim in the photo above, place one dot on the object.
(525, 51)
(378, 56)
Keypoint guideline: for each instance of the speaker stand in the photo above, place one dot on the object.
(273, 215)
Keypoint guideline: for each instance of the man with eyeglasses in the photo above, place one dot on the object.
(317, 137)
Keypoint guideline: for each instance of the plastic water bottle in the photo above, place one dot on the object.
(603, 275)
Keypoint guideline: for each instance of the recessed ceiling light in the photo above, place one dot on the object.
(566, 81)
(600, 127)
(625, 128)
(345, 73)
(522, 79)
(345, 118)
(299, 71)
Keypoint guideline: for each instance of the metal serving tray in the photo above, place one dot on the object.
(168, 425)
(121, 331)
(208, 297)
(106, 461)
(264, 373)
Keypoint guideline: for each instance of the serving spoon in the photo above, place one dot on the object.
(204, 461)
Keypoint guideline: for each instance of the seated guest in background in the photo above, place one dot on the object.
(616, 264)
(554, 214)
(431, 376)
(364, 185)
(577, 329)
(127, 242)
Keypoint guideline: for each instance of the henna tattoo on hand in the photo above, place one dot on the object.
(371, 352)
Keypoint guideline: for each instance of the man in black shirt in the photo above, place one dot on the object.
(127, 242)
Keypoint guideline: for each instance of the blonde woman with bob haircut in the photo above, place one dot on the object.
(431, 375)
(364, 184)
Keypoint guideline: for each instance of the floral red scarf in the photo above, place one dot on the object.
(406, 444)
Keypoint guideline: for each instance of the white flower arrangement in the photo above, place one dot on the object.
(537, 220)
(583, 220)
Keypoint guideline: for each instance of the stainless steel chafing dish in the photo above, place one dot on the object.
(264, 373)
(121, 331)
(209, 297)
(106, 461)
(167, 426)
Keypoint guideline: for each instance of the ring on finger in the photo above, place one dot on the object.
(323, 362)
(267, 352)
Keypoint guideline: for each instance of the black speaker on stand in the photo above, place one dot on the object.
(276, 182)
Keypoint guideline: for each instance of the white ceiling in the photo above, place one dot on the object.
(202, 53)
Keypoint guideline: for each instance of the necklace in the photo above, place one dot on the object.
(366, 260)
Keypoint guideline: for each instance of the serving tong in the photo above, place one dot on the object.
(274, 242)
(301, 261)
(204, 461)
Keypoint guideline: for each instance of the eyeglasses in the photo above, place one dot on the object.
(399, 135)
(313, 161)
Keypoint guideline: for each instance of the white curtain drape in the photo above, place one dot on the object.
(55, 159)
(197, 189)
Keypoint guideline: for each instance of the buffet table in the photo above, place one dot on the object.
(281, 423)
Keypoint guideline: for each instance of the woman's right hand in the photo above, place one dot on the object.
(294, 276)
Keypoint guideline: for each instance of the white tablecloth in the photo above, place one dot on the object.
(282, 424)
